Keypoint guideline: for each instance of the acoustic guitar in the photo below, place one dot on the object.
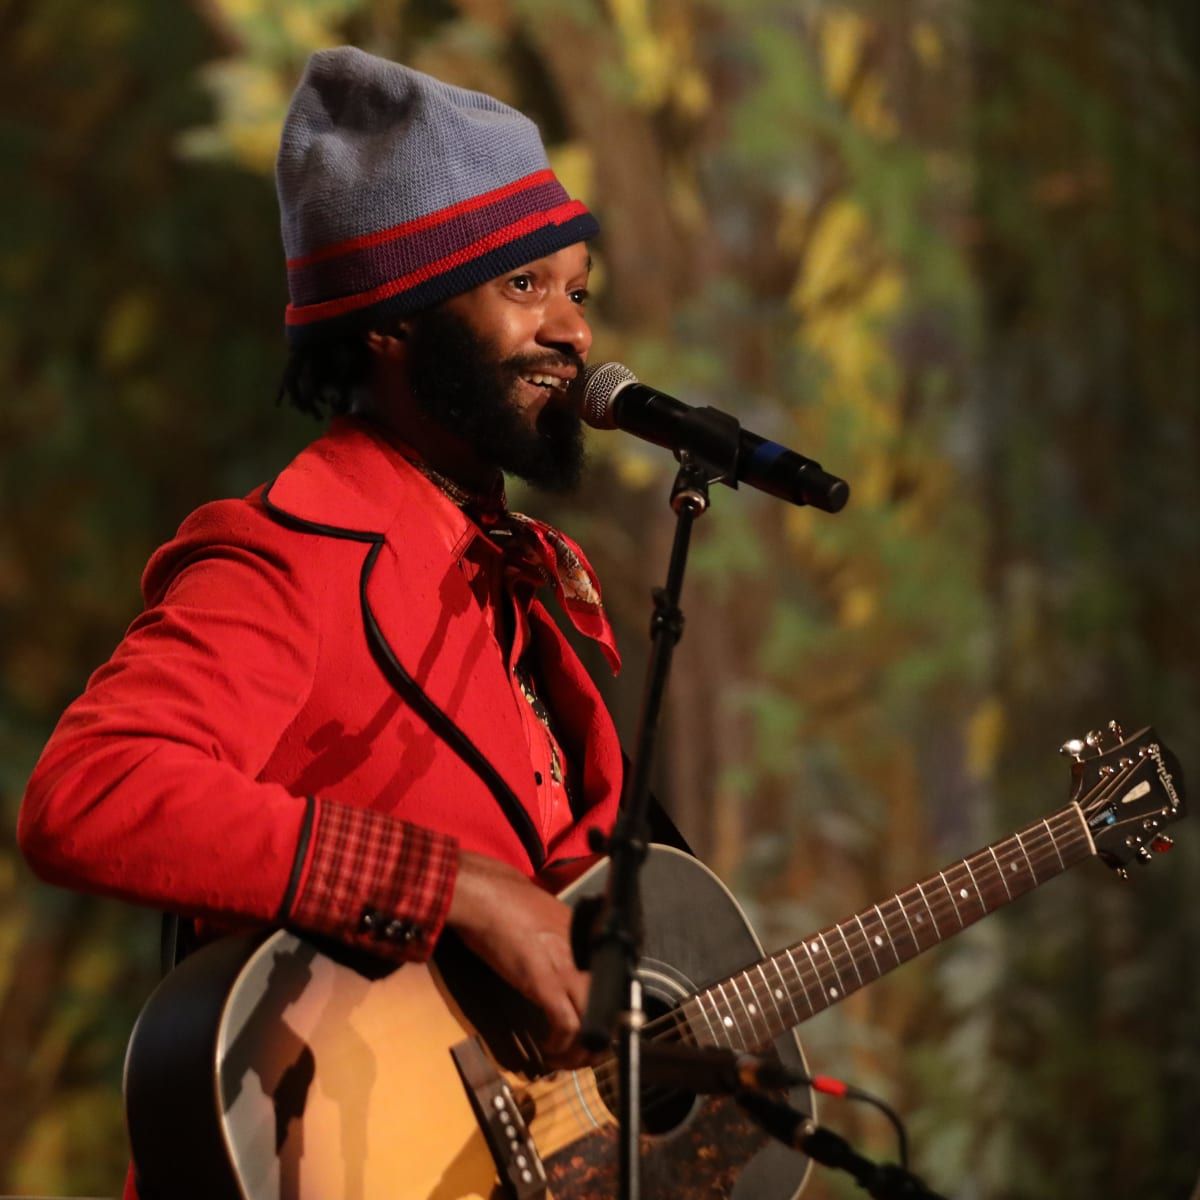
(270, 1067)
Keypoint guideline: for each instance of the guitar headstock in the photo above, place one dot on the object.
(1128, 788)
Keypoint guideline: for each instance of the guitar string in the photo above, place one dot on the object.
(670, 1027)
(1043, 855)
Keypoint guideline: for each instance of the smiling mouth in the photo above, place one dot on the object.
(550, 383)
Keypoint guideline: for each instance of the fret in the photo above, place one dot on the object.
(853, 957)
(949, 892)
(720, 1029)
(870, 948)
(1054, 843)
(807, 997)
(753, 1009)
(1021, 880)
(1021, 846)
(819, 980)
(962, 879)
(891, 940)
(840, 990)
(925, 900)
(728, 1020)
(1000, 873)
(737, 991)
(698, 1000)
(775, 994)
(911, 931)
(724, 1022)
(991, 899)
(784, 990)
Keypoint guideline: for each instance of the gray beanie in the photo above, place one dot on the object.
(398, 191)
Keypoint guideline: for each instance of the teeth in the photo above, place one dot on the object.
(546, 381)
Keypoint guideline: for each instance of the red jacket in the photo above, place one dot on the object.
(311, 674)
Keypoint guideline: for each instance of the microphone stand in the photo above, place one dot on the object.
(883, 1181)
(609, 934)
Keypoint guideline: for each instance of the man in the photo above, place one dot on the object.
(344, 708)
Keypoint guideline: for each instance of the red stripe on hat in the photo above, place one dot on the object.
(418, 223)
(345, 304)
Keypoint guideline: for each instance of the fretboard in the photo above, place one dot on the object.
(747, 1010)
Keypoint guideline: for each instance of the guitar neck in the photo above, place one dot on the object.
(749, 1009)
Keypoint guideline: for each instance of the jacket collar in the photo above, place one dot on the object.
(353, 483)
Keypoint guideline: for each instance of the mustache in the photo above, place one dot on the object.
(530, 364)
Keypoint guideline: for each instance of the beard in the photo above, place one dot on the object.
(459, 381)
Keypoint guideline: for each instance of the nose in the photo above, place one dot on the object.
(564, 325)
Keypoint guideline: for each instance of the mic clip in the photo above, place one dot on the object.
(713, 446)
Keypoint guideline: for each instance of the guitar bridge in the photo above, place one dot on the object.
(518, 1164)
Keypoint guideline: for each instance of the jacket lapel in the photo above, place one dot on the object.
(420, 616)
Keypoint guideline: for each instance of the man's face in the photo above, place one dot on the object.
(496, 365)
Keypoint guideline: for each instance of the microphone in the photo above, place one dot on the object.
(614, 399)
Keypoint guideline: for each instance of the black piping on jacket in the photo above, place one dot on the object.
(442, 725)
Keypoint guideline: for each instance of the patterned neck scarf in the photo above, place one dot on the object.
(535, 553)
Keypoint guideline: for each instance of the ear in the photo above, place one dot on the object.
(388, 345)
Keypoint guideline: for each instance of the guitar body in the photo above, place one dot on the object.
(268, 1068)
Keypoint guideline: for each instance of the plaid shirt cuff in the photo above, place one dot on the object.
(371, 881)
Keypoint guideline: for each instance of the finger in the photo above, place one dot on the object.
(578, 985)
(564, 1024)
(574, 1058)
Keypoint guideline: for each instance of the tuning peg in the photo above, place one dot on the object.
(1123, 873)
(1144, 853)
(1160, 844)
(1073, 749)
(1116, 730)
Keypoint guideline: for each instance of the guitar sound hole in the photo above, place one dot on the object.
(663, 1109)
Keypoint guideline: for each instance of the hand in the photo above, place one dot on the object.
(524, 934)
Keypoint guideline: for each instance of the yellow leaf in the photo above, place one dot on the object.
(928, 44)
(843, 38)
(842, 35)
(572, 162)
(985, 736)
(128, 330)
(859, 604)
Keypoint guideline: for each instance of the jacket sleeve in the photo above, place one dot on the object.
(148, 789)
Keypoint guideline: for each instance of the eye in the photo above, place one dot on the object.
(580, 296)
(522, 282)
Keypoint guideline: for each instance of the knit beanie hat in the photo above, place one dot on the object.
(398, 191)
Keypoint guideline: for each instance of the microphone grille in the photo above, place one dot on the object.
(601, 383)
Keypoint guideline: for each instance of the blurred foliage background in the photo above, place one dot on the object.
(948, 247)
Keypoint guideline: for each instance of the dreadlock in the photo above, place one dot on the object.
(321, 378)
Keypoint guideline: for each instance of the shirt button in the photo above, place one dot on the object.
(537, 778)
(371, 921)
